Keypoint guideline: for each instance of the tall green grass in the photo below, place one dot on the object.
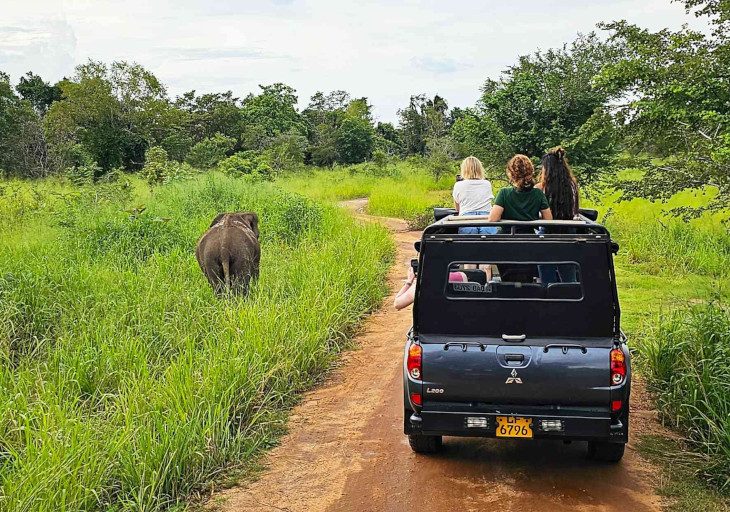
(402, 189)
(124, 383)
(686, 360)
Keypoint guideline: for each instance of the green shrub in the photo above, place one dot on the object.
(209, 151)
(248, 164)
(685, 358)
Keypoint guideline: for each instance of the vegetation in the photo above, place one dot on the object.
(686, 360)
(124, 384)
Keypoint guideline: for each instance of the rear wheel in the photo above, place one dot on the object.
(424, 444)
(606, 452)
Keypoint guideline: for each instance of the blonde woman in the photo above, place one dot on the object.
(473, 194)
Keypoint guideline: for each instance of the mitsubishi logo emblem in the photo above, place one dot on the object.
(513, 378)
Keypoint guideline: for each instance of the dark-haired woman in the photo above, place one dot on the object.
(561, 189)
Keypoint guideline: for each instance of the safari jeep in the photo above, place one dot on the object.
(517, 335)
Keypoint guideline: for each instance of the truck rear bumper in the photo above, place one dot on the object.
(546, 422)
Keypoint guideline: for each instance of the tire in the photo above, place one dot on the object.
(606, 452)
(424, 444)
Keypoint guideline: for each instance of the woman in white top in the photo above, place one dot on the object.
(473, 194)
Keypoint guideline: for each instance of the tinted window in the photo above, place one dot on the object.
(514, 280)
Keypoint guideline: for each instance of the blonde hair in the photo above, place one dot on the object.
(521, 172)
(472, 169)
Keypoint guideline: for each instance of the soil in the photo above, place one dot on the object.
(345, 449)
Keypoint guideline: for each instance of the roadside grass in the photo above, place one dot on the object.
(678, 482)
(685, 360)
(124, 383)
(401, 189)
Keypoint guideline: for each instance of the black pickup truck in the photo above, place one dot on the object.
(516, 334)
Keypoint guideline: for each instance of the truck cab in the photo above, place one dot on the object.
(517, 334)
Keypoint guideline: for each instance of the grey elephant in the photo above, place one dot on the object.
(229, 252)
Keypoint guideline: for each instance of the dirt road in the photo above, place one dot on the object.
(346, 451)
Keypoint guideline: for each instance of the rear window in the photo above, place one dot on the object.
(505, 280)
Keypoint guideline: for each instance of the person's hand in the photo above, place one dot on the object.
(411, 275)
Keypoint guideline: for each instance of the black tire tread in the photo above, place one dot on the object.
(606, 452)
(424, 444)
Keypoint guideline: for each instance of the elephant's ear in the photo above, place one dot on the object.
(252, 219)
(218, 218)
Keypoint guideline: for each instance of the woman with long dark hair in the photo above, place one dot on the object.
(559, 184)
(561, 189)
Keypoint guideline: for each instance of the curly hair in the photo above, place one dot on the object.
(521, 172)
(559, 184)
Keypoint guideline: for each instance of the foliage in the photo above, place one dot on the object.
(672, 93)
(249, 164)
(544, 99)
(23, 149)
(209, 151)
(269, 114)
(422, 119)
(40, 94)
(125, 384)
(480, 135)
(686, 361)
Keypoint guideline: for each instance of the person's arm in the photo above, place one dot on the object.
(407, 293)
(495, 215)
(456, 205)
(545, 208)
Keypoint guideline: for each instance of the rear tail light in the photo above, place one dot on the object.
(616, 405)
(414, 361)
(416, 399)
(618, 367)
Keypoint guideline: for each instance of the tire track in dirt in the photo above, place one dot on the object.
(346, 451)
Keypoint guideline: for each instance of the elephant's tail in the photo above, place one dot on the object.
(226, 264)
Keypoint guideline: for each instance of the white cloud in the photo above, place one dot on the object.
(383, 50)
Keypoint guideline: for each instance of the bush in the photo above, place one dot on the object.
(247, 164)
(686, 360)
(208, 152)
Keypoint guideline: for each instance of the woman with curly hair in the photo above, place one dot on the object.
(521, 201)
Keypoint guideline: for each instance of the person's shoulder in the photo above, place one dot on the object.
(503, 193)
(459, 186)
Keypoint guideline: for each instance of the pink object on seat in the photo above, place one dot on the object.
(457, 277)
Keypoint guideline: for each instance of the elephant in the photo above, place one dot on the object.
(229, 252)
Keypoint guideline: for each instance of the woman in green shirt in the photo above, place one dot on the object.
(521, 201)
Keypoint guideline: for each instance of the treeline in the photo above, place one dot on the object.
(658, 101)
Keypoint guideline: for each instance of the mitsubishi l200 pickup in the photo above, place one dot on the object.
(517, 335)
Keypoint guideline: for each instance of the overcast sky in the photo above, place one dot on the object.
(385, 50)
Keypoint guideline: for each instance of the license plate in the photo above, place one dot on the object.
(512, 426)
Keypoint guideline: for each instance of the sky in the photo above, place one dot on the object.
(384, 50)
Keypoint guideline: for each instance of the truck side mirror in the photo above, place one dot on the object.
(417, 245)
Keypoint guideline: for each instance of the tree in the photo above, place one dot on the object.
(671, 95)
(544, 100)
(422, 119)
(40, 94)
(271, 113)
(481, 136)
(354, 141)
(23, 148)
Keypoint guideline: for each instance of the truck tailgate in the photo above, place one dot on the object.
(567, 372)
